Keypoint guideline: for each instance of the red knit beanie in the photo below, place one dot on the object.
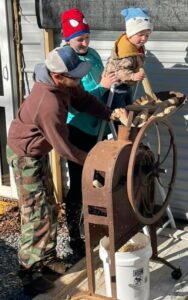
(73, 24)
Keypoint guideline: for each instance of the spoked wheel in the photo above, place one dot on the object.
(151, 170)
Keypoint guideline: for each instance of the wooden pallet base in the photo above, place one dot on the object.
(88, 296)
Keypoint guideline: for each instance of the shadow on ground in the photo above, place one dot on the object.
(10, 284)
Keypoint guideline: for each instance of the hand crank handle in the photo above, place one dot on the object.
(163, 171)
(147, 87)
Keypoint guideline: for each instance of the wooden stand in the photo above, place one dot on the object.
(55, 157)
(87, 296)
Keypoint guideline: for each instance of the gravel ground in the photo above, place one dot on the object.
(10, 284)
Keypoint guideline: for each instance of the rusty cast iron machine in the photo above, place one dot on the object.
(134, 169)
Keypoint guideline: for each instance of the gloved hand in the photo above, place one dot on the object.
(119, 114)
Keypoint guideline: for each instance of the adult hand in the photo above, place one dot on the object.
(119, 114)
(108, 79)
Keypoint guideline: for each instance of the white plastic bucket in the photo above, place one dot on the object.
(132, 268)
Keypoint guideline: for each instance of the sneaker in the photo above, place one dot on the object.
(33, 281)
(55, 265)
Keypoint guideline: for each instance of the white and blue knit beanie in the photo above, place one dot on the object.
(136, 20)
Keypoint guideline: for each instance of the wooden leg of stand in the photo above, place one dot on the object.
(86, 296)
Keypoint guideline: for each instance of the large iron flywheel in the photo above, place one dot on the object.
(151, 170)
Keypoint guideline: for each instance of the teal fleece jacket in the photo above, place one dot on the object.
(90, 83)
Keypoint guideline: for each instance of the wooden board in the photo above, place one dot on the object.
(55, 157)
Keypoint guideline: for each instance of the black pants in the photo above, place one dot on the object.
(74, 197)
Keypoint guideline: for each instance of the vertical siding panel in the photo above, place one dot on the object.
(166, 66)
(32, 41)
(167, 69)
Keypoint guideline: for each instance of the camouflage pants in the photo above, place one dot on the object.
(37, 207)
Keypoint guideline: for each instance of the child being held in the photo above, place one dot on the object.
(128, 54)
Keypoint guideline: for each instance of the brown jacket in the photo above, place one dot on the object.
(125, 59)
(40, 124)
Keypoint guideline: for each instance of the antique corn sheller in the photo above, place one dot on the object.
(132, 171)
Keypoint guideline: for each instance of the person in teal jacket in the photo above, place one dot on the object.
(83, 128)
(91, 83)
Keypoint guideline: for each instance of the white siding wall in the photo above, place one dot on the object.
(167, 69)
(33, 53)
(32, 41)
(166, 57)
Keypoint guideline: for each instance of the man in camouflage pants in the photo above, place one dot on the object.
(38, 218)
(40, 126)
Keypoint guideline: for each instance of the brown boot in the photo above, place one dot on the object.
(55, 265)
